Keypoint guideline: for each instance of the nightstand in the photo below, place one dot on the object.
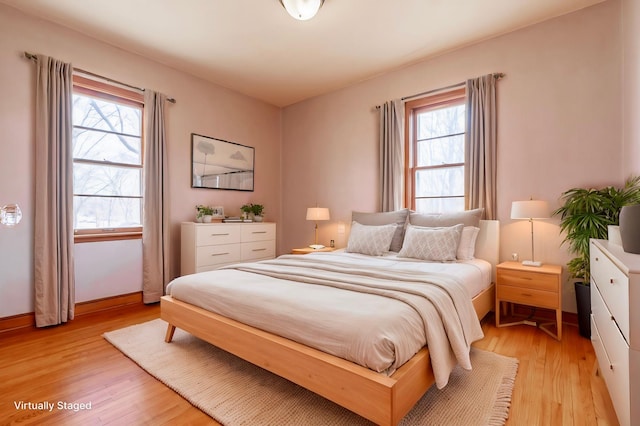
(307, 250)
(532, 286)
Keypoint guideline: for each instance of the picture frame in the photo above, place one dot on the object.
(218, 212)
(220, 164)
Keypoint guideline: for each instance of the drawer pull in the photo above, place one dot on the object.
(219, 235)
(219, 254)
(611, 280)
(260, 249)
(597, 259)
(527, 294)
(259, 232)
(611, 367)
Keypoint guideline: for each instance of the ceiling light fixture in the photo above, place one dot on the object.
(302, 10)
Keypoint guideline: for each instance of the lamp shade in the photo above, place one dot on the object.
(530, 209)
(302, 10)
(318, 213)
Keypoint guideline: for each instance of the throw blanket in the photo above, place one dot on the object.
(448, 316)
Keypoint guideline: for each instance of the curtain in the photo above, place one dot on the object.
(391, 155)
(53, 230)
(155, 222)
(481, 145)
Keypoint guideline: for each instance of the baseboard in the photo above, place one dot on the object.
(92, 306)
(106, 303)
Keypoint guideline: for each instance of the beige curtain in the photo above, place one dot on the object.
(481, 145)
(53, 244)
(391, 155)
(155, 233)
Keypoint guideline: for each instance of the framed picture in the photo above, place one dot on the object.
(218, 213)
(220, 164)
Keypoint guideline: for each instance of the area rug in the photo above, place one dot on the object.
(235, 392)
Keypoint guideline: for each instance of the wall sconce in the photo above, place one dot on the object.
(10, 215)
(316, 214)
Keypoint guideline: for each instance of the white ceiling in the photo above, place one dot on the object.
(254, 47)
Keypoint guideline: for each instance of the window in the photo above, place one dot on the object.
(107, 159)
(435, 152)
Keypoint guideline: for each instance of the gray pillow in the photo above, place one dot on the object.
(435, 244)
(371, 240)
(398, 217)
(433, 220)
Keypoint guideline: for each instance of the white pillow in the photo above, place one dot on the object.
(371, 240)
(467, 245)
(437, 244)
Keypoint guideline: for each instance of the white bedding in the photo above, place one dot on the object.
(380, 333)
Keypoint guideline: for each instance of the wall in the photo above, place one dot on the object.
(559, 126)
(104, 270)
(631, 86)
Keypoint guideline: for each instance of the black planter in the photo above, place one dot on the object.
(583, 301)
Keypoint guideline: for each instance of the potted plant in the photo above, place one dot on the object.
(204, 213)
(586, 214)
(257, 210)
(246, 210)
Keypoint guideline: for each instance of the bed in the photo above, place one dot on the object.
(383, 397)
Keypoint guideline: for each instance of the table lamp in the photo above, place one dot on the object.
(316, 214)
(530, 210)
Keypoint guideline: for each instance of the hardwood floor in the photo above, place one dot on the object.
(556, 382)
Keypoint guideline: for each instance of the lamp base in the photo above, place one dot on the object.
(531, 263)
(316, 246)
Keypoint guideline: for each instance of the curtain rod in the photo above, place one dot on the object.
(497, 76)
(110, 80)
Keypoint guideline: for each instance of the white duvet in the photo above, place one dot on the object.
(375, 311)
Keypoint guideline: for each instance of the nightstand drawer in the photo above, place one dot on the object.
(527, 296)
(528, 279)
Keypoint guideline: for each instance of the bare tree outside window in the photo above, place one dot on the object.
(107, 155)
(437, 154)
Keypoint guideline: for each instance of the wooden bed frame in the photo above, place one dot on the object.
(384, 400)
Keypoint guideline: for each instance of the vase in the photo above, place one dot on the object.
(630, 228)
(257, 218)
(207, 218)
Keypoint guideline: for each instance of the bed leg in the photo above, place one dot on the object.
(170, 330)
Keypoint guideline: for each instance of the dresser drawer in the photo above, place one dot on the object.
(258, 232)
(217, 255)
(614, 368)
(528, 279)
(613, 286)
(217, 234)
(258, 250)
(528, 296)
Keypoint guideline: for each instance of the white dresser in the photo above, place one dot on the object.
(615, 325)
(207, 246)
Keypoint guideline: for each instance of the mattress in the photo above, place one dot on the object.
(318, 300)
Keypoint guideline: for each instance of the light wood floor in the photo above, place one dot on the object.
(556, 382)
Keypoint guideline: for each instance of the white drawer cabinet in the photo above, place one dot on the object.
(208, 246)
(615, 325)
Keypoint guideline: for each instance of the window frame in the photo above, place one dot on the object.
(114, 93)
(412, 109)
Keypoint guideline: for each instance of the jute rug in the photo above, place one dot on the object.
(235, 392)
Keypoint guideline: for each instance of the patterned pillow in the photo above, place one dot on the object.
(437, 244)
(371, 240)
(385, 218)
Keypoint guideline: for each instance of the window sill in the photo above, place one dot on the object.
(107, 236)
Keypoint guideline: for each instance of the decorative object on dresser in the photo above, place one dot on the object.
(208, 246)
(615, 325)
(530, 210)
(537, 286)
(586, 214)
(316, 214)
(630, 228)
(220, 164)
